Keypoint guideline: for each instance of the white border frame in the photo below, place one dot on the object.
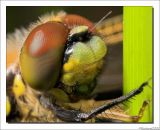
(156, 107)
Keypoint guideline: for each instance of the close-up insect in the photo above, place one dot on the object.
(53, 68)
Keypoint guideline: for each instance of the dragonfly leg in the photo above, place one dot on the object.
(122, 116)
(141, 111)
(78, 116)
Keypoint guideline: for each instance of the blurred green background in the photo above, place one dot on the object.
(137, 54)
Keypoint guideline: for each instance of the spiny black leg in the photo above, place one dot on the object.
(78, 116)
(117, 100)
(61, 113)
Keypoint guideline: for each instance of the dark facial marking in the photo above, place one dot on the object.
(72, 40)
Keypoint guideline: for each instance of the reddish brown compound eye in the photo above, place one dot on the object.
(42, 54)
(45, 37)
(73, 20)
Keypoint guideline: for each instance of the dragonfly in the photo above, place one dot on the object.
(38, 93)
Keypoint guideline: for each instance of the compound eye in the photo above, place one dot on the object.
(45, 38)
(76, 20)
(42, 55)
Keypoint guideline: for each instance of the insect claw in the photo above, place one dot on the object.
(150, 86)
(141, 111)
(149, 79)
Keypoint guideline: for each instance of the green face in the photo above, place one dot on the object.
(84, 61)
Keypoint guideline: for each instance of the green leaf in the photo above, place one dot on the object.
(137, 54)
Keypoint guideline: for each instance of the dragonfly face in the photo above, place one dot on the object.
(57, 53)
(83, 58)
(59, 59)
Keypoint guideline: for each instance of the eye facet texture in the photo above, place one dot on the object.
(45, 37)
(42, 54)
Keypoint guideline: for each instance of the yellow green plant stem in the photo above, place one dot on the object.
(137, 56)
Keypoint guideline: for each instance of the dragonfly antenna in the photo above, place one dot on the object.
(101, 20)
